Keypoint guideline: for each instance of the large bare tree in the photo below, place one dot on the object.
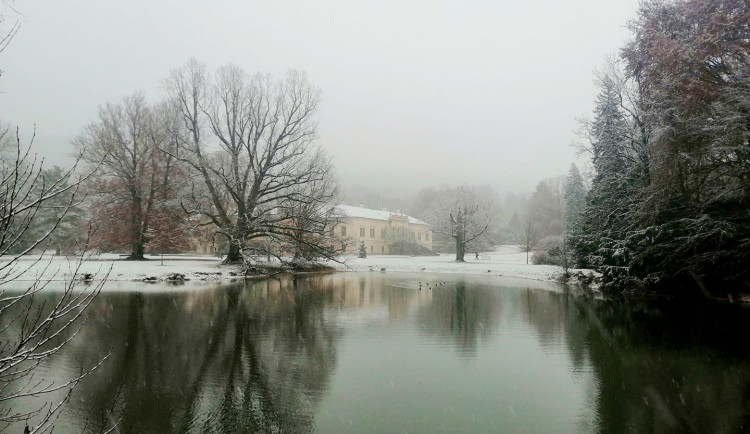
(249, 142)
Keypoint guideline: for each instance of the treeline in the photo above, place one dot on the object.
(668, 208)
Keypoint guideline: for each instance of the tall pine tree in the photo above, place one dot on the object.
(575, 201)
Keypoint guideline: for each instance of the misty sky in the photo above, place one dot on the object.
(415, 93)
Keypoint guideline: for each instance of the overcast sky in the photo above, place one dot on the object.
(415, 93)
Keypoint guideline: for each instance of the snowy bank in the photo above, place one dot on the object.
(114, 268)
(505, 261)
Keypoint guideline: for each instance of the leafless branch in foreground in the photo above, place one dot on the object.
(34, 326)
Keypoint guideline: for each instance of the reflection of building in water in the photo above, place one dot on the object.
(374, 291)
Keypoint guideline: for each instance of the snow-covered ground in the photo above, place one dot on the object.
(506, 261)
(503, 261)
(114, 268)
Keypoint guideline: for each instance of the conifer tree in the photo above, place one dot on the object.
(575, 201)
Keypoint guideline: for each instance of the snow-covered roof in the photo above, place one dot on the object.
(373, 214)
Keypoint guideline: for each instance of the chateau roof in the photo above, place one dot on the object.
(373, 214)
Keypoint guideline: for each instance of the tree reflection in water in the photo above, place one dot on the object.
(260, 356)
(659, 366)
(245, 358)
(466, 315)
(665, 367)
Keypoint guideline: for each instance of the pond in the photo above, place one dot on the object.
(416, 353)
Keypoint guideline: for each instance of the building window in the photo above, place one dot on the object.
(343, 231)
(382, 233)
(372, 248)
(372, 232)
(419, 236)
(427, 236)
(361, 232)
(382, 249)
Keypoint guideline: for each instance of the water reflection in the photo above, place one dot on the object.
(667, 367)
(246, 358)
(465, 316)
(389, 353)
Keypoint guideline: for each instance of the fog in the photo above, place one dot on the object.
(414, 93)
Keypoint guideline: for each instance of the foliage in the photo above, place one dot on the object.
(669, 206)
(61, 212)
(512, 231)
(546, 207)
(575, 203)
(362, 250)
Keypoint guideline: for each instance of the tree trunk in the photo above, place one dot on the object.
(460, 248)
(136, 252)
(234, 255)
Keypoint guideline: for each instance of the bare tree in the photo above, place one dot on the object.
(134, 175)
(311, 221)
(32, 331)
(463, 215)
(249, 143)
(8, 27)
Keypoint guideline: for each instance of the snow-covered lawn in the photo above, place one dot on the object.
(503, 261)
(195, 267)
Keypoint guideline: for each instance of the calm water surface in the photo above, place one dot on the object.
(373, 352)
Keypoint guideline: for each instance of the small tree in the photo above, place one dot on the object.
(362, 250)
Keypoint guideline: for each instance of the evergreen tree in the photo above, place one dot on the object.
(362, 250)
(514, 230)
(575, 201)
(607, 214)
(60, 212)
(669, 204)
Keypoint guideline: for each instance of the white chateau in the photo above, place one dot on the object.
(376, 227)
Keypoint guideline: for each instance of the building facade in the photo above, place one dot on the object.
(377, 229)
